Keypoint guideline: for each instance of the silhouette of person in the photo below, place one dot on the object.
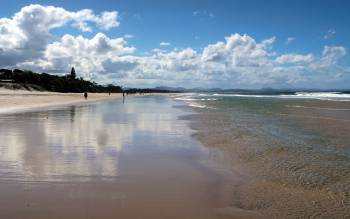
(85, 95)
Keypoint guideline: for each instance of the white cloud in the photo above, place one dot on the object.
(236, 61)
(164, 43)
(330, 34)
(128, 36)
(295, 59)
(157, 50)
(204, 13)
(87, 55)
(245, 51)
(290, 40)
(25, 36)
(331, 55)
(215, 52)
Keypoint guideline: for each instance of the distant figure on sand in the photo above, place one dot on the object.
(85, 95)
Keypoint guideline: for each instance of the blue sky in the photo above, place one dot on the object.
(174, 21)
(298, 28)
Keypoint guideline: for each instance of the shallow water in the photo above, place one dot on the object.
(132, 159)
(296, 150)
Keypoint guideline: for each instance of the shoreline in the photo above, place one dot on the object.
(79, 156)
(283, 176)
(16, 101)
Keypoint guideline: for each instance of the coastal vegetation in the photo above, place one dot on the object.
(55, 83)
(69, 83)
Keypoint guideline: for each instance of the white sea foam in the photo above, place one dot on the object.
(331, 96)
(185, 99)
(207, 99)
(195, 99)
(199, 98)
(319, 108)
(244, 95)
(196, 105)
(323, 94)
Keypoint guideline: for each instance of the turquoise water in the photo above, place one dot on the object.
(301, 141)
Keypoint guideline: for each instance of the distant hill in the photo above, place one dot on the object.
(263, 91)
(150, 90)
(173, 89)
(20, 79)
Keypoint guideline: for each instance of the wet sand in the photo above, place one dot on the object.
(293, 155)
(19, 100)
(111, 159)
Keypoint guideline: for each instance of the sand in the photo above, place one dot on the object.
(22, 100)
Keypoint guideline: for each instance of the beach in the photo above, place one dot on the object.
(291, 152)
(19, 100)
(131, 158)
(200, 155)
(231, 109)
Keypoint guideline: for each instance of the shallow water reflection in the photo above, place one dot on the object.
(83, 141)
(106, 159)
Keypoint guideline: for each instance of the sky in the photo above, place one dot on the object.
(204, 43)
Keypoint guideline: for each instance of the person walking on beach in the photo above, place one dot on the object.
(85, 95)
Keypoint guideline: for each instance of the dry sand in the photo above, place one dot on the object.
(20, 100)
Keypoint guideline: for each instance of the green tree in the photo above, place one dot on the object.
(72, 73)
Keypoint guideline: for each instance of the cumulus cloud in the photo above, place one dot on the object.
(215, 52)
(88, 55)
(236, 61)
(330, 54)
(295, 59)
(24, 37)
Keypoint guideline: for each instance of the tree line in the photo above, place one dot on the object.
(66, 83)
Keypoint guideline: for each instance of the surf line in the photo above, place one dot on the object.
(321, 108)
